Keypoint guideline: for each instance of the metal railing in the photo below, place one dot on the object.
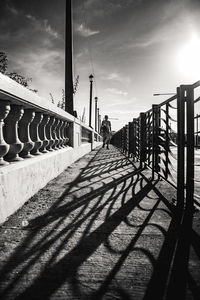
(166, 139)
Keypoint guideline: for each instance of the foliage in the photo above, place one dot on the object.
(3, 62)
(20, 79)
(75, 88)
(13, 75)
(52, 99)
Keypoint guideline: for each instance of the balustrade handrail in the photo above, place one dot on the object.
(14, 92)
(30, 125)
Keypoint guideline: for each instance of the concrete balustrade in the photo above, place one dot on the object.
(34, 133)
(54, 135)
(11, 133)
(64, 133)
(24, 133)
(4, 147)
(38, 141)
(42, 133)
(49, 133)
(58, 133)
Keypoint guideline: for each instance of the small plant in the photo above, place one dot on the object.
(75, 88)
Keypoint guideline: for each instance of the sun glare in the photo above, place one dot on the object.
(188, 59)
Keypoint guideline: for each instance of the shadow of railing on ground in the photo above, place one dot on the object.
(106, 222)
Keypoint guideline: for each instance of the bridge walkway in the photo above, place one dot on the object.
(101, 230)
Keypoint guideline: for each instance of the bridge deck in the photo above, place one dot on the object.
(101, 230)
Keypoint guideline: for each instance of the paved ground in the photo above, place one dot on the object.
(101, 230)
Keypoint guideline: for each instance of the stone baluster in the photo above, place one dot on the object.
(4, 147)
(58, 133)
(42, 134)
(11, 133)
(55, 125)
(34, 133)
(65, 134)
(62, 135)
(24, 133)
(49, 133)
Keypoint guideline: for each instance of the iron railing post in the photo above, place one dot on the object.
(126, 139)
(130, 138)
(190, 148)
(142, 139)
(181, 147)
(167, 146)
(134, 136)
(155, 137)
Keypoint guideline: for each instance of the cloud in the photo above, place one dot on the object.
(85, 31)
(39, 25)
(116, 91)
(12, 9)
(49, 29)
(43, 25)
(113, 76)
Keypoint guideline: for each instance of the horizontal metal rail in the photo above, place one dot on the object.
(164, 139)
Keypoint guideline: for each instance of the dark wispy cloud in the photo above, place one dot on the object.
(131, 46)
(34, 47)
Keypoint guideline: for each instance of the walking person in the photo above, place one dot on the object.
(106, 131)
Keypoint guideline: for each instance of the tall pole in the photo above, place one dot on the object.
(69, 105)
(99, 123)
(96, 119)
(90, 109)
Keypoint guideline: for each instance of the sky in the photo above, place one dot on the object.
(134, 48)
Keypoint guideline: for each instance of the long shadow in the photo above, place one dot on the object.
(171, 276)
(82, 220)
(33, 252)
(81, 251)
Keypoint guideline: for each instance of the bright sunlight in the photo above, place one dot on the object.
(188, 58)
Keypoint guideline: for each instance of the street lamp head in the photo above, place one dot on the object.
(91, 77)
(163, 94)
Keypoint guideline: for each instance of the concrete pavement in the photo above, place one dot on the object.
(101, 230)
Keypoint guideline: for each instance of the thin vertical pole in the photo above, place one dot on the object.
(96, 119)
(190, 148)
(69, 103)
(155, 146)
(134, 137)
(142, 139)
(90, 108)
(130, 138)
(197, 130)
(167, 142)
(181, 147)
(98, 122)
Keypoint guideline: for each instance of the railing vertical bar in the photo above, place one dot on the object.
(167, 142)
(142, 139)
(190, 149)
(181, 147)
(155, 147)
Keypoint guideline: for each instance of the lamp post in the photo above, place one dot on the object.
(99, 123)
(164, 94)
(69, 105)
(96, 119)
(90, 109)
(98, 126)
